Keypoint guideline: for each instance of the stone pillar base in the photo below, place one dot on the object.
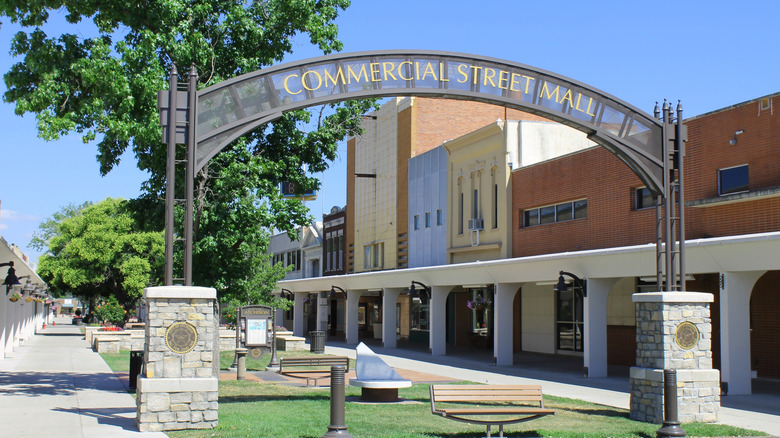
(698, 395)
(175, 404)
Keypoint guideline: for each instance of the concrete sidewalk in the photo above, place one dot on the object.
(54, 385)
(758, 412)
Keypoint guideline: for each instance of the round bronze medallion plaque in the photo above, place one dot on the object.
(181, 337)
(256, 353)
(686, 335)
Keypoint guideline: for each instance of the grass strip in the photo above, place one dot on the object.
(259, 409)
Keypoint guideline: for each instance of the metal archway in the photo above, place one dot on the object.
(230, 109)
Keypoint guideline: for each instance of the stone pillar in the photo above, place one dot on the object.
(298, 315)
(503, 319)
(351, 317)
(438, 319)
(595, 327)
(389, 300)
(735, 366)
(179, 383)
(674, 332)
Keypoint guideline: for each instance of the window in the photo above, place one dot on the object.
(419, 308)
(475, 205)
(644, 199)
(294, 259)
(374, 256)
(439, 217)
(495, 205)
(733, 180)
(564, 211)
(417, 222)
(547, 215)
(480, 305)
(569, 319)
(460, 214)
(428, 219)
(531, 218)
(581, 209)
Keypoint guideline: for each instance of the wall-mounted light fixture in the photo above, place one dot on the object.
(561, 286)
(11, 279)
(733, 140)
(333, 291)
(413, 290)
(287, 294)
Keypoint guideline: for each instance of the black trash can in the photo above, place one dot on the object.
(317, 342)
(136, 363)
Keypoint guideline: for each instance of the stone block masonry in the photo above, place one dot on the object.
(179, 385)
(674, 331)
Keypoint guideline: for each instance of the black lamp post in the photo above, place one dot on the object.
(274, 363)
(11, 279)
(561, 286)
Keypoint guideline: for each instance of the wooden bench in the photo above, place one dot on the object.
(499, 404)
(311, 367)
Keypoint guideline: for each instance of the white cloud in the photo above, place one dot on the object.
(15, 216)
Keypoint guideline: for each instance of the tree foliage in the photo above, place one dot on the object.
(97, 250)
(104, 86)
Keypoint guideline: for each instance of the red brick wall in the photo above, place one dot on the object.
(595, 174)
(765, 326)
(708, 150)
(607, 183)
(439, 120)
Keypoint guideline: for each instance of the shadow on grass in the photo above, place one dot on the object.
(601, 412)
(266, 398)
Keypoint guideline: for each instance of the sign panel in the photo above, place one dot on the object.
(256, 332)
(287, 189)
(227, 110)
(255, 326)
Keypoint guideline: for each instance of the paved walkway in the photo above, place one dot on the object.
(54, 385)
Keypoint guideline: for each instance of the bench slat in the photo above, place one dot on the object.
(487, 398)
(496, 411)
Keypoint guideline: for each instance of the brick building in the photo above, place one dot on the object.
(585, 212)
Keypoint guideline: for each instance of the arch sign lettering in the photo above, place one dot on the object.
(229, 109)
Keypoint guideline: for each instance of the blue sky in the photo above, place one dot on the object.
(708, 54)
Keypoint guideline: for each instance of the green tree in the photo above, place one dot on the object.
(104, 86)
(97, 250)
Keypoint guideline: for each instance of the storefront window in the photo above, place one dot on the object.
(569, 316)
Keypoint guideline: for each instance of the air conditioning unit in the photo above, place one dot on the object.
(475, 224)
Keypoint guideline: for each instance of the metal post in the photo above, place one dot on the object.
(274, 363)
(241, 369)
(337, 428)
(192, 123)
(668, 204)
(170, 175)
(234, 365)
(671, 426)
(680, 146)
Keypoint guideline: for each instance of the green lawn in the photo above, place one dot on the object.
(252, 409)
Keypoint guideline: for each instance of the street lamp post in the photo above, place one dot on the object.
(274, 363)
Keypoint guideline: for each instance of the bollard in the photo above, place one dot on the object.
(241, 368)
(671, 426)
(337, 428)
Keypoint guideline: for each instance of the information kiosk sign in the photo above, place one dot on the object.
(255, 326)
